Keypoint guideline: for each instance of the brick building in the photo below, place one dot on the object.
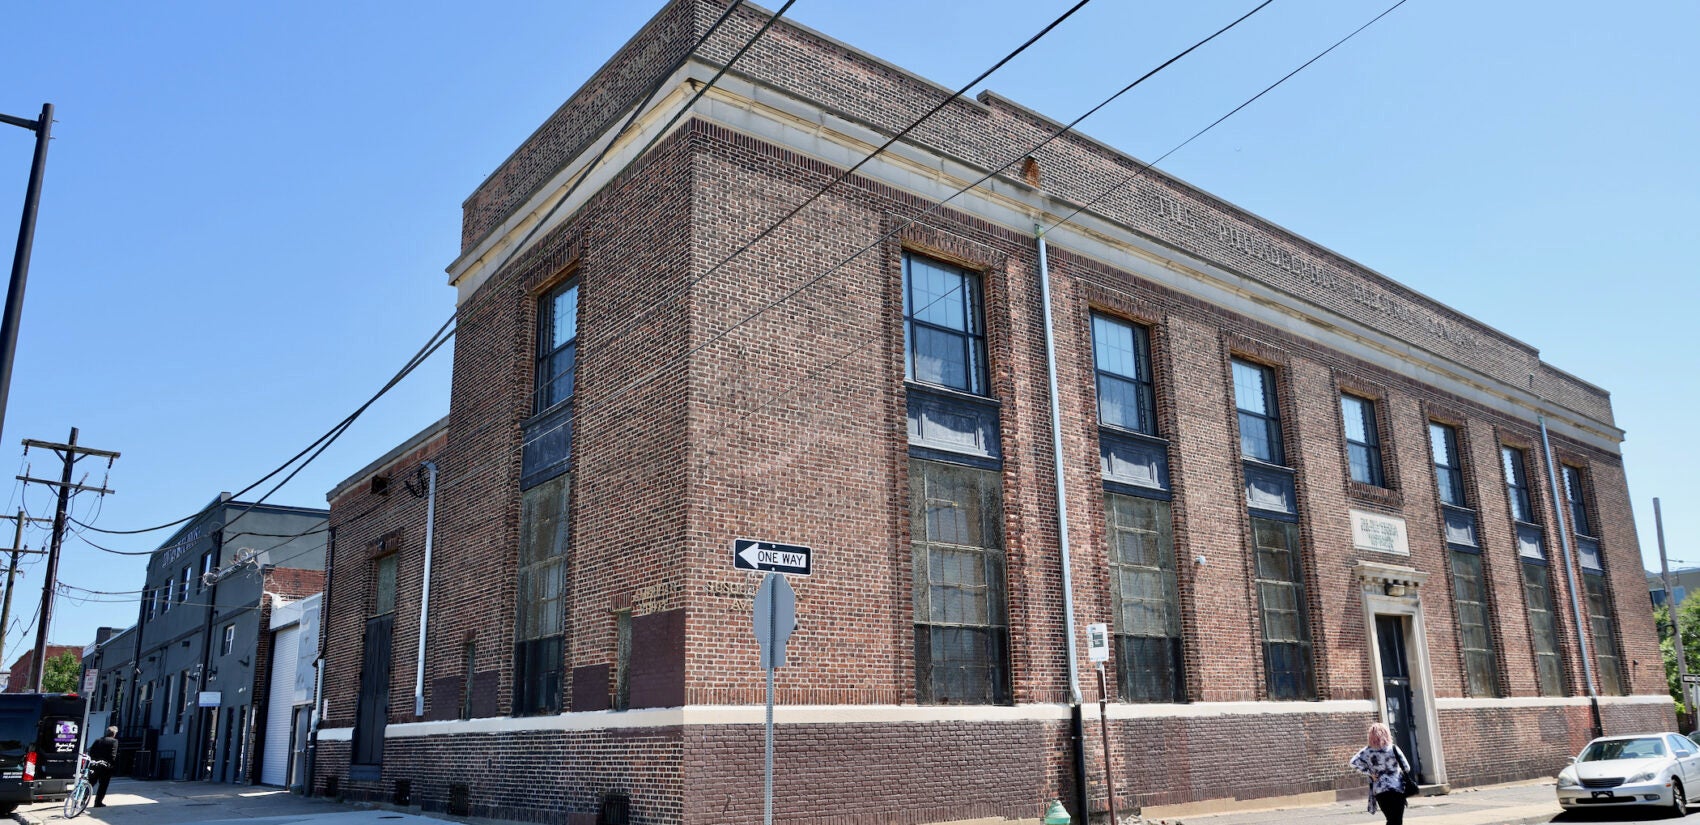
(1301, 495)
(18, 677)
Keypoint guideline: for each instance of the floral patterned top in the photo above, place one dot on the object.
(1381, 765)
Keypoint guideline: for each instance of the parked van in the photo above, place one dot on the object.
(40, 737)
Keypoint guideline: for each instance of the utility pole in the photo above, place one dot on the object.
(1670, 603)
(42, 128)
(12, 574)
(70, 453)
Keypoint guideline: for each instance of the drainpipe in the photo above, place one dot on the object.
(1559, 503)
(1076, 723)
(425, 590)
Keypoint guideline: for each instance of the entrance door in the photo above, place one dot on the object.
(1396, 686)
(372, 708)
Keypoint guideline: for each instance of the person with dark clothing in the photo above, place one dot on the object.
(103, 758)
(1385, 766)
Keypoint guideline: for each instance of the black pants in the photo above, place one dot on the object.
(1392, 805)
(101, 779)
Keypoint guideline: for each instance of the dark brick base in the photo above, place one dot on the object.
(922, 772)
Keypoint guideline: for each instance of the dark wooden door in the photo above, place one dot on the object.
(373, 708)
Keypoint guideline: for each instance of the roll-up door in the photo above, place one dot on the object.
(274, 767)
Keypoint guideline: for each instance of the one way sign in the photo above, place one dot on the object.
(754, 554)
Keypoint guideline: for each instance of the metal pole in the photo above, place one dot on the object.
(1104, 728)
(1077, 726)
(425, 590)
(12, 577)
(21, 258)
(772, 660)
(38, 667)
(1670, 603)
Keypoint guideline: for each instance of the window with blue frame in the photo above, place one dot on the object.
(1288, 660)
(1469, 582)
(1260, 416)
(557, 345)
(943, 325)
(1121, 355)
(1363, 440)
(1537, 585)
(1138, 525)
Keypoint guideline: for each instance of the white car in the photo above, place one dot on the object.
(1643, 769)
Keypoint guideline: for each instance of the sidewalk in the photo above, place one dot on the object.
(1511, 804)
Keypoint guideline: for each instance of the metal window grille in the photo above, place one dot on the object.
(961, 618)
(1149, 667)
(1475, 636)
(1607, 662)
(1288, 669)
(1543, 629)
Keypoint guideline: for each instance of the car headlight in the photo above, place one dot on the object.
(1567, 779)
(1644, 776)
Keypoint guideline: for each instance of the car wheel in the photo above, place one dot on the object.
(1678, 799)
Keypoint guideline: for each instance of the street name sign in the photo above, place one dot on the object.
(771, 557)
(1691, 679)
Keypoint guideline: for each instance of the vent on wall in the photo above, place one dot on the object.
(403, 795)
(380, 485)
(616, 809)
(332, 785)
(460, 799)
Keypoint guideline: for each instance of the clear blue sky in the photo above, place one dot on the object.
(249, 207)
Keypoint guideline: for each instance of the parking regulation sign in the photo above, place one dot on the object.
(772, 557)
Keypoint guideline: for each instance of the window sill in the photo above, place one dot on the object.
(952, 392)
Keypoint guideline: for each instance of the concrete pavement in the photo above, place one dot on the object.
(132, 802)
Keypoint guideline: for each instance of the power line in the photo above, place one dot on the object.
(862, 344)
(908, 221)
(670, 363)
(642, 315)
(337, 431)
(437, 339)
(1213, 124)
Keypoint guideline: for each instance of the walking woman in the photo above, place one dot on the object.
(1382, 762)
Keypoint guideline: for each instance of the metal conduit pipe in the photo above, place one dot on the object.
(1078, 727)
(425, 588)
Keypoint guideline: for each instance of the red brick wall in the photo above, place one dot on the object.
(791, 427)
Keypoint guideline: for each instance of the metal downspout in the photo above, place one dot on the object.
(1076, 722)
(425, 589)
(1560, 502)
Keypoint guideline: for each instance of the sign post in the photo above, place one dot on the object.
(775, 616)
(1098, 651)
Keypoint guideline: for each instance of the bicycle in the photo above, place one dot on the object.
(82, 790)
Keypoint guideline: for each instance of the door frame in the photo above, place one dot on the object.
(1394, 590)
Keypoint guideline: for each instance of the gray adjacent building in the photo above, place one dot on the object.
(193, 703)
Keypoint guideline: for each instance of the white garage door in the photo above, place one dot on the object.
(274, 768)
